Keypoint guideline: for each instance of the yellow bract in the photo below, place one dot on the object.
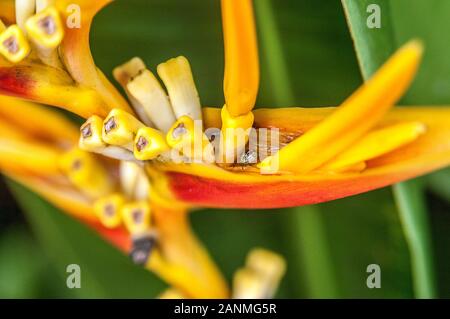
(241, 79)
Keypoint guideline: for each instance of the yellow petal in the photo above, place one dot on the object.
(377, 143)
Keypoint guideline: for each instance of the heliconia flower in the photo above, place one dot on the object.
(163, 154)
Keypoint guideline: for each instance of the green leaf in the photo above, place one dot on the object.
(105, 272)
(372, 45)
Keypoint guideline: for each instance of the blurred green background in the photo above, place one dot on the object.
(307, 59)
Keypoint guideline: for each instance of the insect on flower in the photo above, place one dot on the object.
(140, 163)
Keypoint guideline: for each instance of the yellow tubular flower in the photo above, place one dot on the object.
(86, 173)
(91, 140)
(188, 138)
(46, 31)
(177, 77)
(91, 134)
(235, 132)
(358, 114)
(119, 128)
(377, 143)
(145, 89)
(13, 44)
(241, 79)
(124, 74)
(24, 10)
(149, 143)
(108, 209)
(136, 217)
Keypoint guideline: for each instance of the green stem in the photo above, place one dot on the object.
(307, 235)
(410, 200)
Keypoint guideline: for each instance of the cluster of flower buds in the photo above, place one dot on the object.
(164, 128)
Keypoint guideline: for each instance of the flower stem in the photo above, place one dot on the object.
(410, 200)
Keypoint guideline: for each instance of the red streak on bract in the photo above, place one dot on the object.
(14, 82)
(215, 193)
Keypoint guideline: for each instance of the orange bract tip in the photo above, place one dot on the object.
(356, 116)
